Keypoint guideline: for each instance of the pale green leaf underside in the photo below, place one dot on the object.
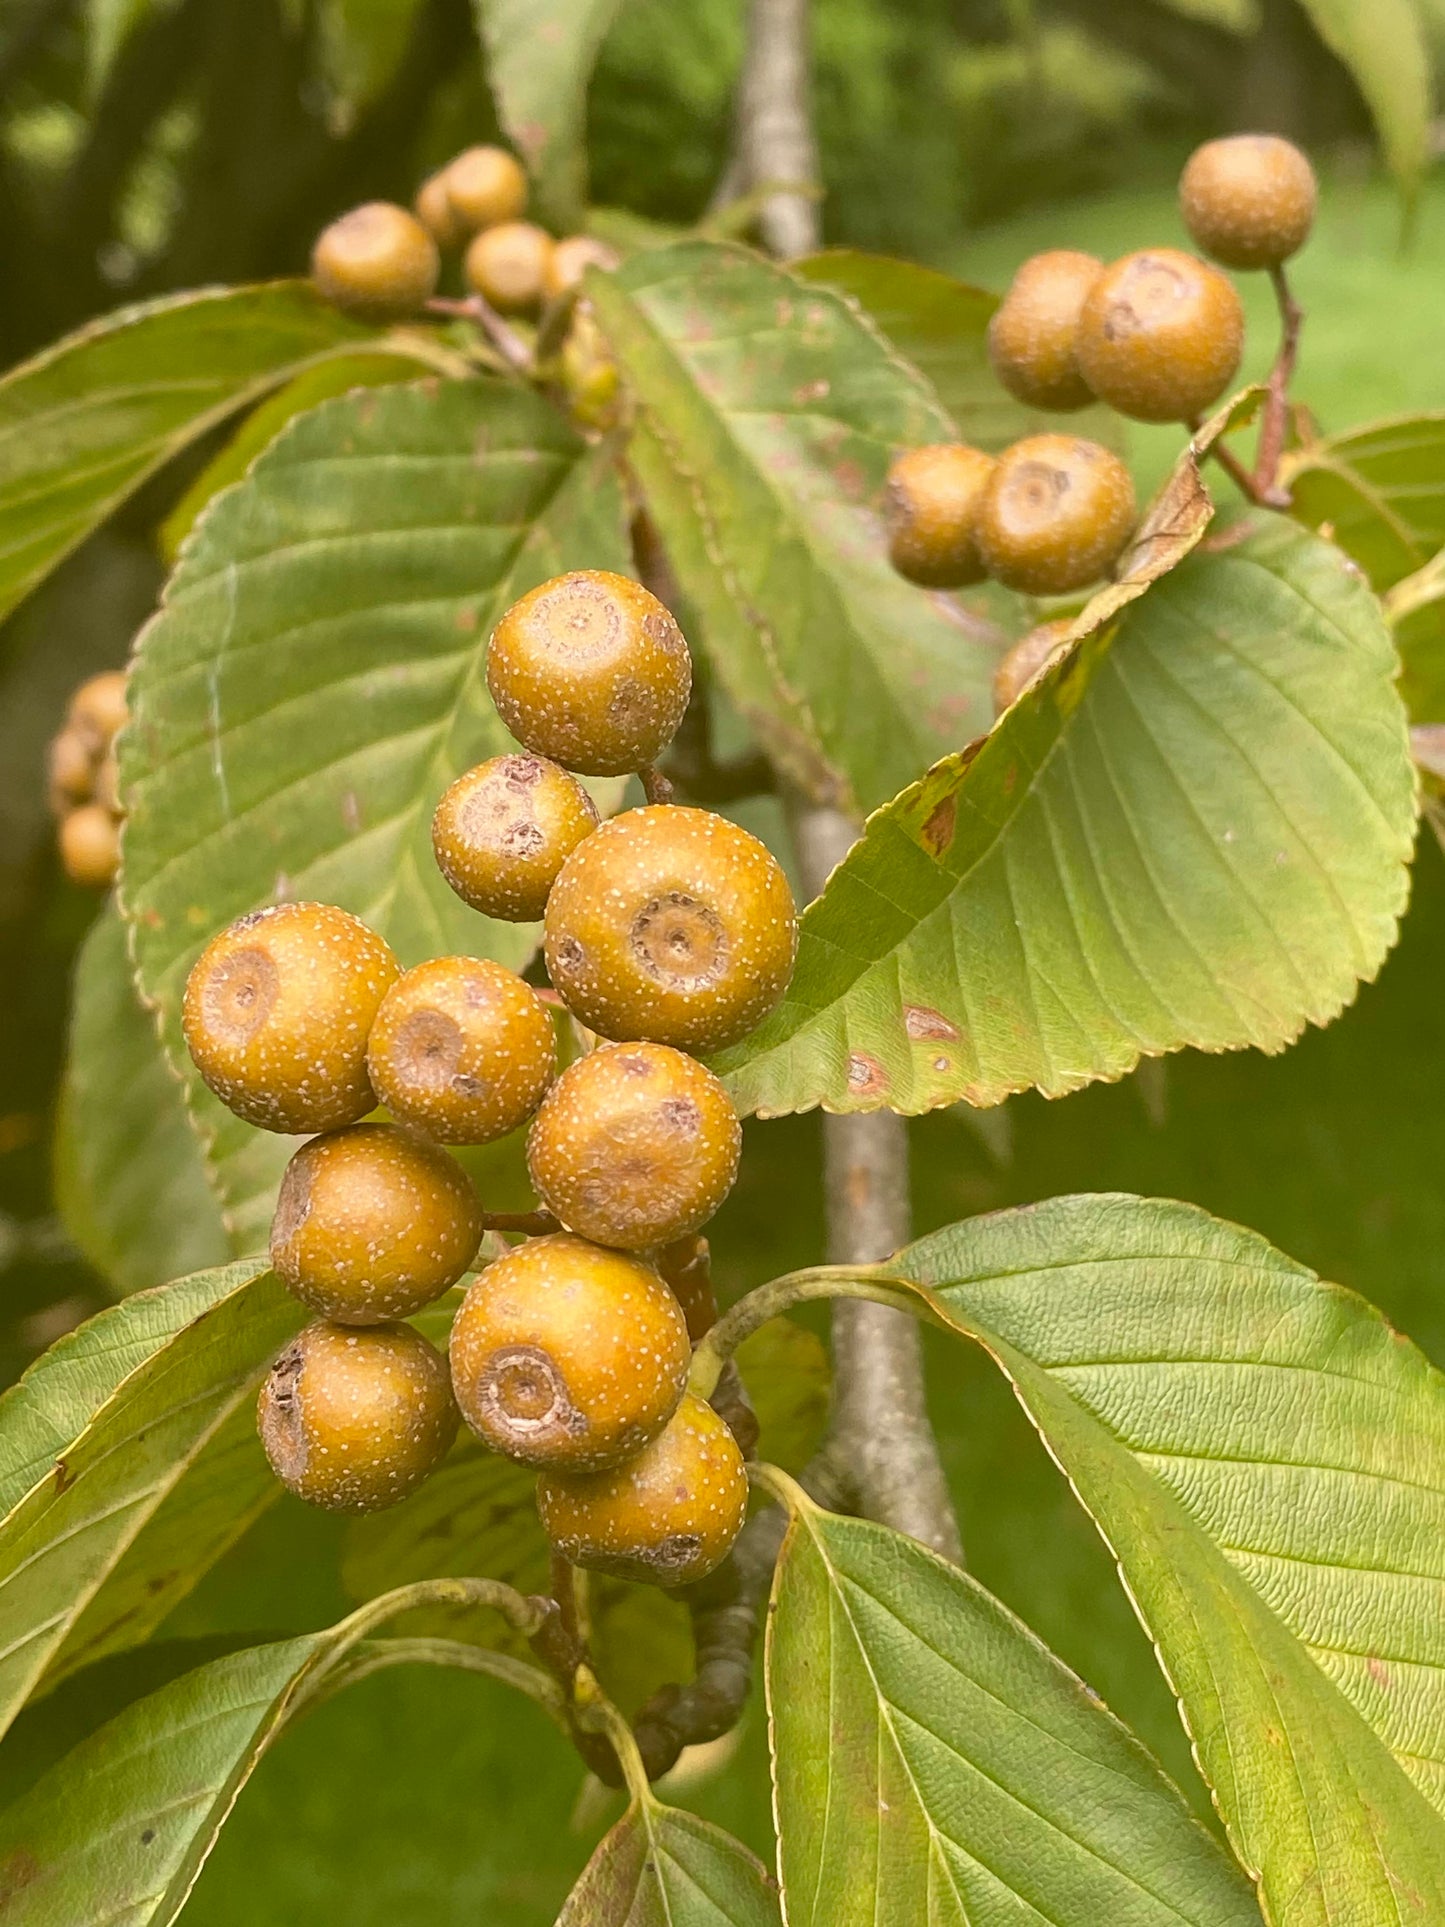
(933, 1762)
(539, 60)
(1267, 1460)
(771, 410)
(314, 680)
(1380, 491)
(1383, 44)
(131, 1178)
(116, 1833)
(84, 423)
(660, 1867)
(1193, 830)
(140, 1417)
(941, 325)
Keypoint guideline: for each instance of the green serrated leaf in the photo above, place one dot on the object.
(314, 680)
(1194, 829)
(933, 1761)
(1383, 44)
(660, 1867)
(773, 409)
(119, 1829)
(130, 1178)
(98, 1440)
(540, 55)
(261, 427)
(85, 422)
(1266, 1459)
(1379, 491)
(941, 325)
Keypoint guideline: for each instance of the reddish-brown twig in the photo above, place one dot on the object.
(1276, 405)
(505, 339)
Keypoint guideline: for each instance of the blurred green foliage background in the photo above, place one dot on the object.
(208, 143)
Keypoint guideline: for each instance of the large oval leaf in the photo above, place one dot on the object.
(314, 680)
(1193, 829)
(539, 61)
(660, 1867)
(108, 1436)
(1266, 1458)
(131, 1180)
(119, 1829)
(1377, 490)
(84, 423)
(933, 1761)
(941, 325)
(770, 410)
(1383, 44)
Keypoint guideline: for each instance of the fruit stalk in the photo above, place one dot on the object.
(1276, 407)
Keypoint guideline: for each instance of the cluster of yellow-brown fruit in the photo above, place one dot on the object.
(383, 262)
(1157, 336)
(666, 931)
(82, 781)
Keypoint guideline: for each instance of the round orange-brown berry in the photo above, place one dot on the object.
(462, 1050)
(1057, 513)
(378, 261)
(507, 265)
(373, 1222)
(97, 710)
(1031, 337)
(564, 1354)
(433, 208)
(571, 258)
(354, 1419)
(503, 831)
(1160, 335)
(1249, 200)
(591, 670)
(277, 1010)
(485, 186)
(671, 924)
(1023, 662)
(667, 1517)
(71, 769)
(931, 506)
(635, 1145)
(90, 846)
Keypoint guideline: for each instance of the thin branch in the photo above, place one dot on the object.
(881, 1430)
(521, 1224)
(1276, 406)
(656, 787)
(773, 130)
(503, 337)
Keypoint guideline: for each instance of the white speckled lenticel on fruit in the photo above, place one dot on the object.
(566, 1354)
(373, 1222)
(591, 670)
(1056, 513)
(667, 1517)
(671, 924)
(354, 1419)
(462, 1050)
(635, 1145)
(276, 1013)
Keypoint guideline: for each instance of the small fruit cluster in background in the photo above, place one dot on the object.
(382, 263)
(666, 930)
(82, 781)
(1157, 336)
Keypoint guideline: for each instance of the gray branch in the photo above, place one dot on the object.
(773, 132)
(881, 1429)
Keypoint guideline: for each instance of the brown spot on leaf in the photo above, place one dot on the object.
(866, 1076)
(64, 1477)
(465, 619)
(921, 1021)
(1379, 1672)
(937, 832)
(1229, 537)
(18, 1870)
(812, 391)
